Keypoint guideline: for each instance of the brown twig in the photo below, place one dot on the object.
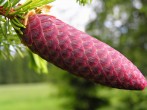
(4, 10)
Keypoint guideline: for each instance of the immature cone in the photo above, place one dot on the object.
(80, 54)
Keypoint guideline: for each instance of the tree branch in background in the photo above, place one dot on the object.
(83, 2)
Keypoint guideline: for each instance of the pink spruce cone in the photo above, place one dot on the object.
(80, 54)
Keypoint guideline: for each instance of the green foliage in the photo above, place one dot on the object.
(83, 2)
(123, 100)
(37, 63)
(15, 12)
(9, 42)
(17, 71)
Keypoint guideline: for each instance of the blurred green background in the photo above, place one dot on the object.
(120, 23)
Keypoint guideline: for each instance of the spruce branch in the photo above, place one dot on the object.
(83, 2)
(11, 12)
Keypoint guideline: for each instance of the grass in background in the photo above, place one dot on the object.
(46, 96)
(30, 97)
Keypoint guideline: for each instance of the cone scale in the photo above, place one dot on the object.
(80, 54)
